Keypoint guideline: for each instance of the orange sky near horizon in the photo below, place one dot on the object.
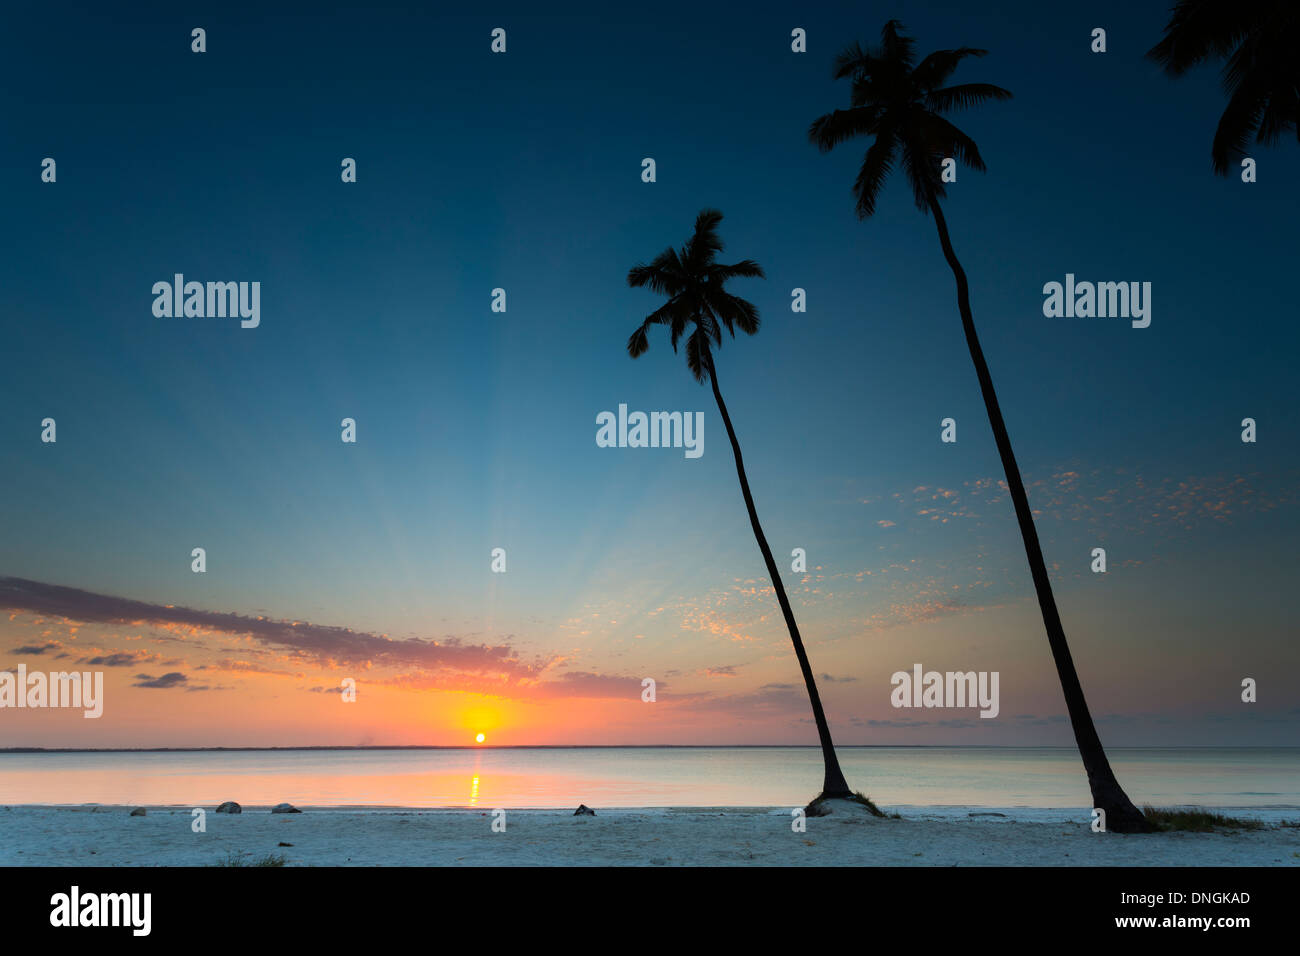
(233, 691)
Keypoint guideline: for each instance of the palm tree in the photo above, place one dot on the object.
(698, 304)
(898, 102)
(1258, 38)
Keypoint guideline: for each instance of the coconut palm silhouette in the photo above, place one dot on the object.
(1261, 77)
(699, 308)
(898, 102)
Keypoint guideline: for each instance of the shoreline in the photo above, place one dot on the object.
(1273, 814)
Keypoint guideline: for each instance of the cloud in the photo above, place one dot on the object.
(37, 648)
(1105, 498)
(917, 611)
(328, 645)
(173, 679)
(722, 670)
(449, 664)
(715, 622)
(122, 659)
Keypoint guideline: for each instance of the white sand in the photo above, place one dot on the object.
(109, 836)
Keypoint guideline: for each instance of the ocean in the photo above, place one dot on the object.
(546, 777)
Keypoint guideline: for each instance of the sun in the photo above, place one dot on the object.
(480, 738)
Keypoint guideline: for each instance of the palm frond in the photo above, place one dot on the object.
(1281, 114)
(850, 61)
(707, 221)
(1257, 39)
(705, 243)
(638, 342)
(1201, 30)
(697, 354)
(1240, 118)
(744, 269)
(708, 323)
(963, 96)
(921, 165)
(877, 164)
(664, 274)
(939, 65)
(678, 328)
(944, 139)
(827, 132)
(736, 312)
(895, 46)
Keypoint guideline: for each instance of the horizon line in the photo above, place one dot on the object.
(54, 750)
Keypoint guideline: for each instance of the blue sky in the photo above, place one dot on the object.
(476, 429)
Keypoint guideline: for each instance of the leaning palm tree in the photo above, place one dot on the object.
(700, 308)
(898, 102)
(1261, 78)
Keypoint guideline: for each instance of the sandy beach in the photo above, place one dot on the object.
(110, 836)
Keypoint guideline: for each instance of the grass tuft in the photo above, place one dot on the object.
(865, 800)
(234, 858)
(1195, 820)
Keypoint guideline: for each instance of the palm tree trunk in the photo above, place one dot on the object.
(834, 784)
(1121, 815)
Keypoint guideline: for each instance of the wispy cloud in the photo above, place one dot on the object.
(325, 643)
(125, 659)
(450, 664)
(721, 670)
(1111, 498)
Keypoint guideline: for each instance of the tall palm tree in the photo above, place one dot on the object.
(1261, 78)
(898, 102)
(700, 308)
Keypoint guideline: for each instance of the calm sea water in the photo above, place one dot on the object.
(646, 777)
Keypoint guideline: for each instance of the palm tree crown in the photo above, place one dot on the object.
(898, 102)
(1261, 78)
(693, 281)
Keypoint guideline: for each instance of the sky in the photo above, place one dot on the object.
(476, 429)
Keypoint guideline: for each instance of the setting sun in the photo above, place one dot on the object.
(480, 738)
